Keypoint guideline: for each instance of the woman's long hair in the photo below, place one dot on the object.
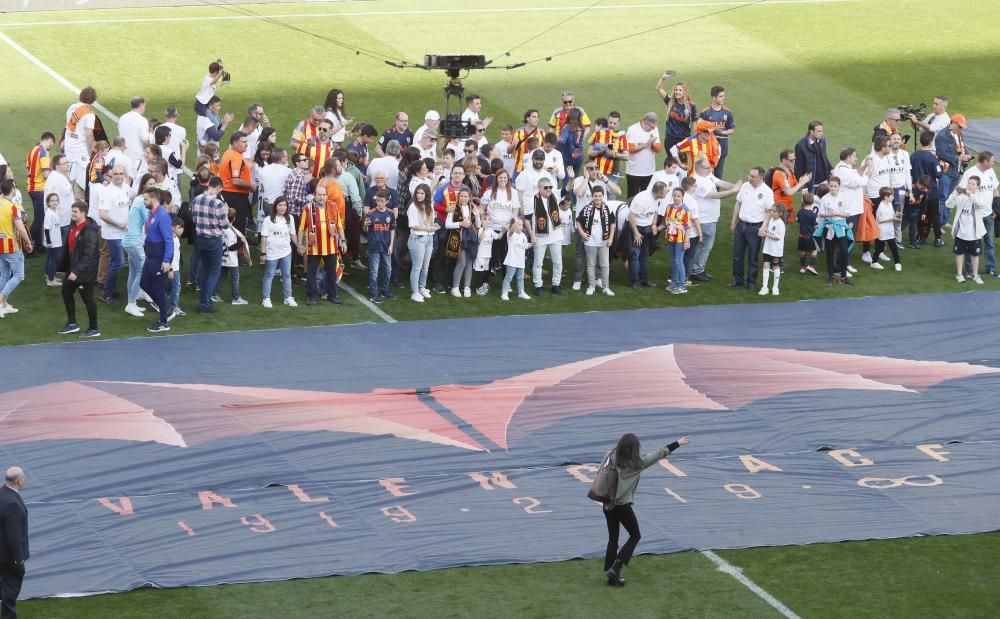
(426, 205)
(627, 452)
(274, 210)
(686, 100)
(331, 103)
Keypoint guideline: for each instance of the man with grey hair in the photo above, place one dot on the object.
(387, 162)
(547, 221)
(13, 541)
(399, 131)
(558, 119)
(307, 129)
(427, 144)
(643, 140)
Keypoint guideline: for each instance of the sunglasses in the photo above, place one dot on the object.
(547, 187)
(570, 102)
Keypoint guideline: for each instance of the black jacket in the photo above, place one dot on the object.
(83, 260)
(812, 158)
(13, 527)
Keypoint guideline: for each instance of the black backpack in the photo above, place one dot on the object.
(769, 177)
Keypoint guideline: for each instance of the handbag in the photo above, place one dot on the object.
(604, 488)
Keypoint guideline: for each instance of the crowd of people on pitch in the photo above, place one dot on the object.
(460, 214)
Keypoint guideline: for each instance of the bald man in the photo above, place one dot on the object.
(13, 541)
(113, 213)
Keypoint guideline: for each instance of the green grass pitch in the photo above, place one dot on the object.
(782, 64)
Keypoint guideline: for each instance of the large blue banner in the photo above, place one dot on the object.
(380, 448)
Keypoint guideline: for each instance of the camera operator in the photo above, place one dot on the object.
(936, 120)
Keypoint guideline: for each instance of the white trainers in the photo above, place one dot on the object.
(145, 297)
(899, 267)
(590, 290)
(425, 293)
(504, 297)
(53, 282)
(763, 291)
(774, 291)
(977, 279)
(866, 258)
(523, 295)
(267, 303)
(609, 292)
(239, 301)
(290, 302)
(467, 293)
(483, 290)
(455, 293)
(9, 309)
(578, 285)
(884, 258)
(134, 310)
(960, 279)
(877, 266)
(851, 269)
(850, 274)
(417, 297)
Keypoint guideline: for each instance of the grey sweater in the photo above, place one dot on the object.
(628, 479)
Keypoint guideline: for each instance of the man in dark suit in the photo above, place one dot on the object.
(810, 156)
(13, 541)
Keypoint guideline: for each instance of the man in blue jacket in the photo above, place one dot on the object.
(13, 541)
(159, 248)
(950, 149)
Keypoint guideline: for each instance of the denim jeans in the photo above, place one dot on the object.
(117, 262)
(704, 248)
(746, 244)
(555, 253)
(209, 252)
(174, 292)
(677, 274)
(379, 266)
(945, 186)
(598, 265)
(52, 262)
(11, 272)
(234, 274)
(989, 249)
(192, 275)
(282, 265)
(330, 287)
(690, 253)
(638, 263)
(421, 247)
(154, 281)
(462, 275)
(513, 273)
(136, 256)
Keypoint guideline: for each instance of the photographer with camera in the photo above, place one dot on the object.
(216, 74)
(936, 121)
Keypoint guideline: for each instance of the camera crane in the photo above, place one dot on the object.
(452, 125)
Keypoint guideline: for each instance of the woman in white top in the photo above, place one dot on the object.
(503, 204)
(460, 219)
(420, 215)
(420, 174)
(276, 236)
(336, 114)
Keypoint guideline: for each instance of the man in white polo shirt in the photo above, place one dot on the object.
(113, 207)
(880, 171)
(989, 189)
(134, 127)
(937, 120)
(643, 144)
(708, 192)
(432, 120)
(752, 203)
(645, 211)
(272, 178)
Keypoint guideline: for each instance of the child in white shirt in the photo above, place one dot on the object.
(886, 217)
(517, 245)
(485, 252)
(773, 232)
(968, 227)
(207, 89)
(174, 296)
(52, 239)
(231, 241)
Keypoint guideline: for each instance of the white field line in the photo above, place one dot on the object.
(728, 568)
(432, 12)
(76, 91)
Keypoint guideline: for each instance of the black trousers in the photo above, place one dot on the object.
(880, 247)
(240, 202)
(635, 184)
(839, 247)
(11, 577)
(86, 293)
(618, 517)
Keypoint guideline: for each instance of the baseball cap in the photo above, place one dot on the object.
(432, 115)
(960, 120)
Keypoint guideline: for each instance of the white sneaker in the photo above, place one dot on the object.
(884, 258)
(599, 283)
(416, 296)
(134, 310)
(877, 266)
(425, 293)
(850, 275)
(960, 279)
(9, 309)
(290, 302)
(866, 257)
(774, 291)
(977, 279)
(267, 303)
(145, 297)
(483, 290)
(578, 285)
(216, 298)
(523, 295)
(763, 291)
(504, 297)
(240, 301)
(609, 292)
(456, 293)
(590, 290)
(53, 282)
(899, 267)
(467, 293)
(851, 269)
